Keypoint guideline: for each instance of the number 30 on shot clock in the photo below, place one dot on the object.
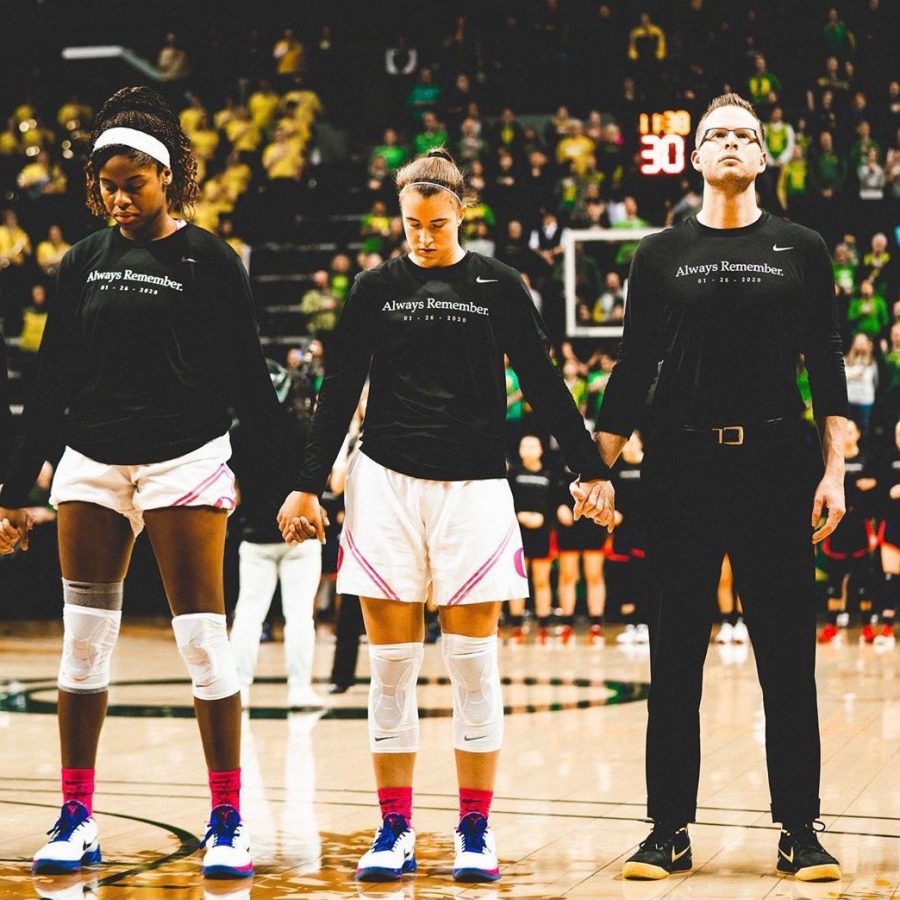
(663, 141)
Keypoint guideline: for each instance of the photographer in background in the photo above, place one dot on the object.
(306, 362)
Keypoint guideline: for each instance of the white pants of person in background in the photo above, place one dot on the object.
(299, 569)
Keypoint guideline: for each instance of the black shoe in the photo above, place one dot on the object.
(337, 687)
(800, 854)
(666, 850)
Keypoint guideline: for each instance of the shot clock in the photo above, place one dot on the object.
(662, 141)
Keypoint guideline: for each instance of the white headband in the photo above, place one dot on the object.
(137, 140)
(436, 185)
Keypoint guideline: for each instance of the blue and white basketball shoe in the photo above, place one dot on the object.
(392, 854)
(74, 842)
(476, 852)
(227, 845)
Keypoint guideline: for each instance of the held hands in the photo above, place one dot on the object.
(830, 496)
(301, 518)
(14, 527)
(595, 500)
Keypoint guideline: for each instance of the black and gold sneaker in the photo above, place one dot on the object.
(800, 854)
(666, 850)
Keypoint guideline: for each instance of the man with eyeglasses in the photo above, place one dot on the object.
(719, 309)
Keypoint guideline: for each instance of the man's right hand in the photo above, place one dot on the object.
(301, 518)
(14, 527)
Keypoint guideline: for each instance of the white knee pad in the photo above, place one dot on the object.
(393, 711)
(91, 618)
(477, 697)
(202, 639)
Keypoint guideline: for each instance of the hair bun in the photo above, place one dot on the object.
(434, 171)
(441, 153)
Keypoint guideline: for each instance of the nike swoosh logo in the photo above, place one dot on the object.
(778, 249)
(790, 858)
(388, 737)
(481, 280)
(476, 737)
(677, 856)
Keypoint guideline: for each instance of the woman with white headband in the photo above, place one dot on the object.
(428, 506)
(151, 338)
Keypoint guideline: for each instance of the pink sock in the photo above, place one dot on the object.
(396, 800)
(78, 784)
(225, 788)
(472, 800)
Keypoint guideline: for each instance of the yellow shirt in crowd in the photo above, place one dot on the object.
(262, 106)
(15, 245)
(48, 255)
(282, 160)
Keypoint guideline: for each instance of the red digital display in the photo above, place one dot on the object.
(663, 141)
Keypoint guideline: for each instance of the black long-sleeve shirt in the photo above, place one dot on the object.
(533, 491)
(6, 424)
(145, 348)
(435, 338)
(259, 505)
(719, 317)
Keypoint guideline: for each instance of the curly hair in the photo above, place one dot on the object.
(145, 110)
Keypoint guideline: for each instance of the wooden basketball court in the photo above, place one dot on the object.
(569, 805)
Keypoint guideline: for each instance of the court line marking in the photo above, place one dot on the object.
(188, 843)
(22, 700)
(434, 794)
(450, 807)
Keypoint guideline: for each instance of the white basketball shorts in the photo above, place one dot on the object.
(199, 478)
(406, 537)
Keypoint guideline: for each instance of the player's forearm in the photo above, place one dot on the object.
(832, 431)
(610, 446)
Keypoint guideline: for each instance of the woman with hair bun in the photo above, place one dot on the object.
(152, 337)
(428, 506)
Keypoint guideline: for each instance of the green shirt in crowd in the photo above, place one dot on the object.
(868, 315)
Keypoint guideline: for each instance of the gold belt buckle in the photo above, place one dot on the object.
(723, 439)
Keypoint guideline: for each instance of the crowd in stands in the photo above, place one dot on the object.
(540, 102)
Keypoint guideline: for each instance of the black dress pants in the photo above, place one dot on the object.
(753, 502)
(349, 628)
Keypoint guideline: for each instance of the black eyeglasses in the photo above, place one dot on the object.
(743, 136)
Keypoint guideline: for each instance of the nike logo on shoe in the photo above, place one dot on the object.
(481, 280)
(790, 858)
(778, 249)
(677, 856)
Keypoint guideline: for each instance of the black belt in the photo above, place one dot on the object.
(739, 435)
